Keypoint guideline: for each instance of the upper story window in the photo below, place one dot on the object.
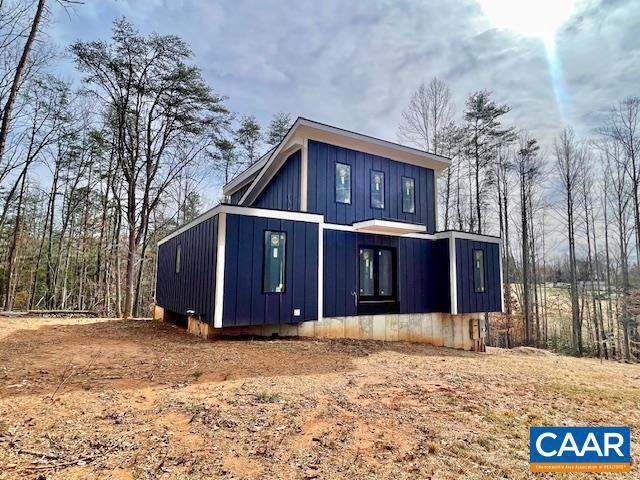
(274, 261)
(178, 257)
(377, 189)
(343, 183)
(478, 271)
(408, 195)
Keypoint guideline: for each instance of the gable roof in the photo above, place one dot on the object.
(261, 172)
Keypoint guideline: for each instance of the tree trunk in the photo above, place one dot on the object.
(16, 83)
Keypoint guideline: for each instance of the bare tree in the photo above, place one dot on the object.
(165, 116)
(429, 113)
(569, 159)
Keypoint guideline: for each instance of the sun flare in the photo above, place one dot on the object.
(531, 18)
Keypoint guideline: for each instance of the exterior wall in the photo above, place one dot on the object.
(423, 272)
(237, 196)
(283, 192)
(468, 299)
(423, 268)
(439, 329)
(244, 301)
(193, 288)
(321, 189)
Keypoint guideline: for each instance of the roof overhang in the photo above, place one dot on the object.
(388, 227)
(247, 175)
(304, 129)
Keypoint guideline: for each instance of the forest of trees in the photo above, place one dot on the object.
(92, 175)
(569, 217)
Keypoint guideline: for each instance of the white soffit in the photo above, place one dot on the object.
(388, 227)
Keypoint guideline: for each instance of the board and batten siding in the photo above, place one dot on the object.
(244, 301)
(423, 268)
(423, 272)
(283, 191)
(322, 159)
(236, 196)
(468, 300)
(194, 286)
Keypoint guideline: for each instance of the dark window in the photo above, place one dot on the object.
(377, 189)
(366, 273)
(178, 257)
(343, 183)
(478, 271)
(377, 274)
(408, 195)
(274, 260)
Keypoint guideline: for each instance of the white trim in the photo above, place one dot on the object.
(249, 211)
(385, 227)
(441, 161)
(220, 260)
(246, 176)
(304, 172)
(309, 129)
(469, 236)
(337, 226)
(453, 275)
(320, 271)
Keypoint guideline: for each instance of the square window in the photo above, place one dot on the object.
(408, 195)
(478, 271)
(343, 183)
(178, 257)
(274, 261)
(377, 189)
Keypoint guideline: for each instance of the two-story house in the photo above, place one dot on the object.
(331, 234)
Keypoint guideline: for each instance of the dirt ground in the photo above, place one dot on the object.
(96, 399)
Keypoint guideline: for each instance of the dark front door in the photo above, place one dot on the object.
(378, 285)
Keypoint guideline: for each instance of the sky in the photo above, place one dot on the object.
(355, 64)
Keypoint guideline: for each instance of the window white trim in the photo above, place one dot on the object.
(220, 261)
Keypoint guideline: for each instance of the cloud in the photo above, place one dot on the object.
(355, 64)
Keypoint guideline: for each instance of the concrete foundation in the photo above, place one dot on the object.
(440, 329)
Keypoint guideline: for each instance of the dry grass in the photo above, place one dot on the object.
(145, 400)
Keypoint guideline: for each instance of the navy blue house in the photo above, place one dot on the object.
(334, 234)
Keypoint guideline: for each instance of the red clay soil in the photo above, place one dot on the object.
(139, 399)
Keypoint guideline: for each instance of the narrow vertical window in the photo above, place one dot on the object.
(178, 257)
(385, 273)
(408, 195)
(377, 189)
(343, 183)
(478, 271)
(366, 272)
(274, 261)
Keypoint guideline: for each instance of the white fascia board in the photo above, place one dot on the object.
(357, 141)
(248, 211)
(304, 129)
(246, 176)
(388, 227)
(476, 237)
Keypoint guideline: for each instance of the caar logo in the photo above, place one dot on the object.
(580, 449)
